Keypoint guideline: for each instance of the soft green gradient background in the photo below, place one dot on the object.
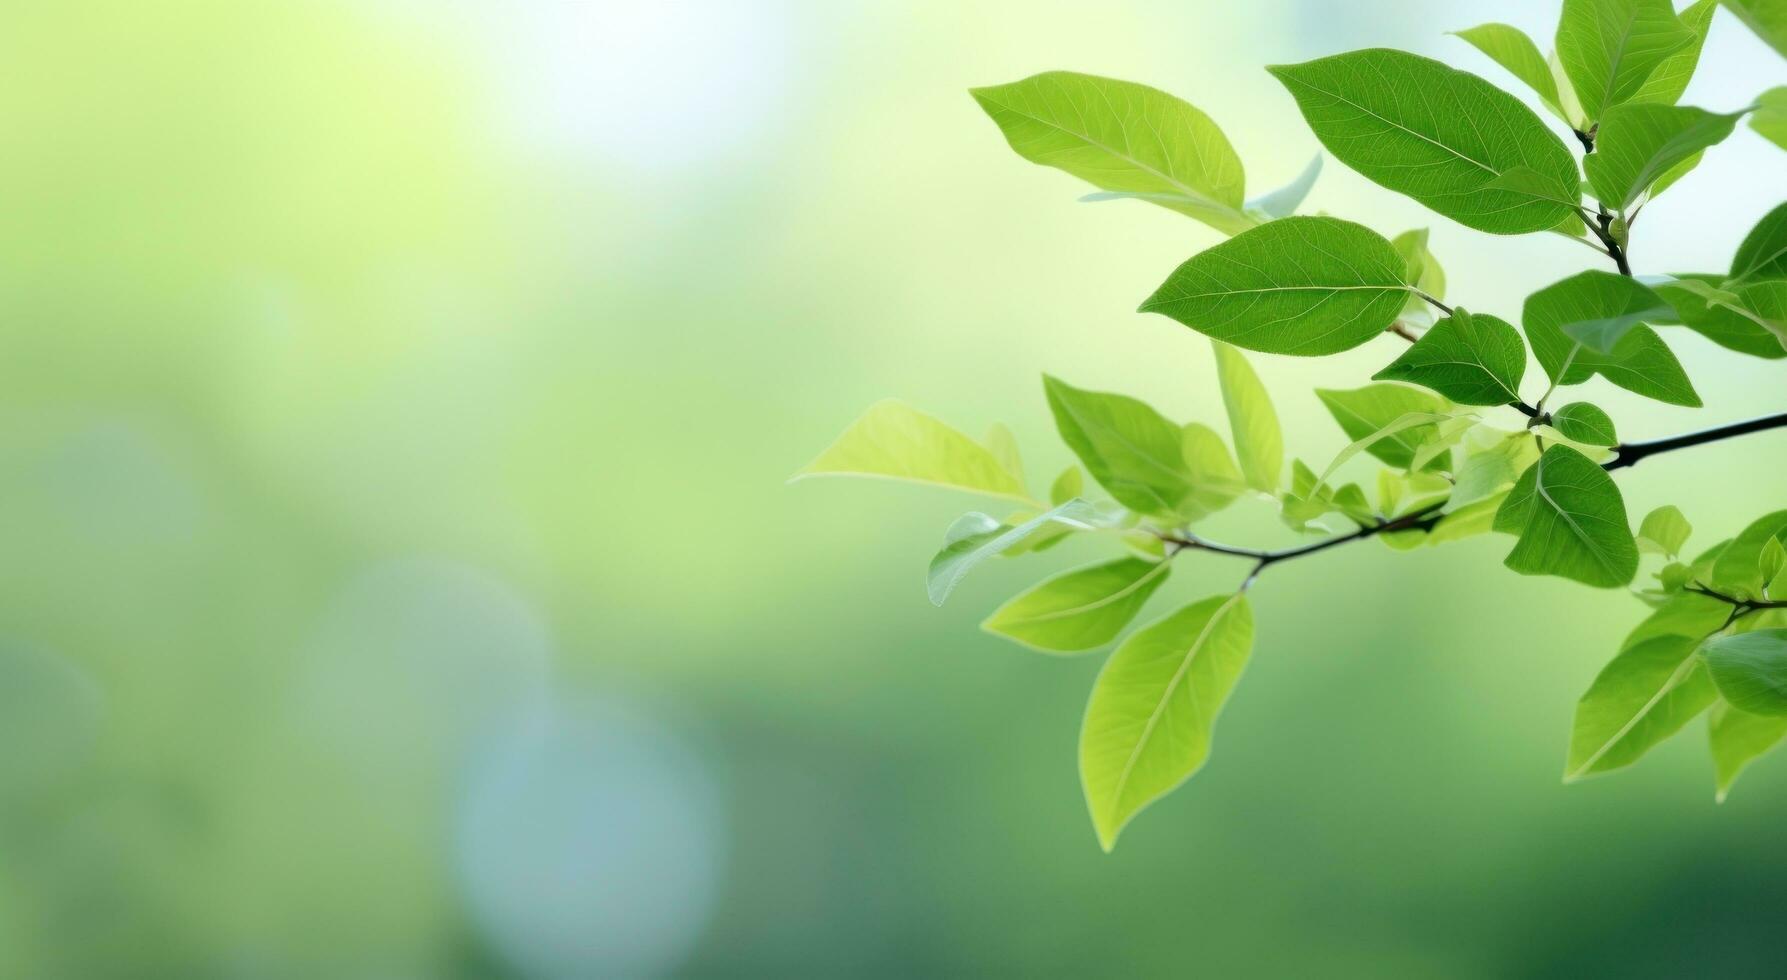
(400, 578)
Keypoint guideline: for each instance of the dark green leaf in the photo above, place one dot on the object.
(1471, 359)
(1610, 48)
(1571, 520)
(1639, 362)
(1300, 285)
(1434, 133)
(1585, 423)
(1639, 142)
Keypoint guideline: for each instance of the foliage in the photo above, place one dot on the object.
(1284, 284)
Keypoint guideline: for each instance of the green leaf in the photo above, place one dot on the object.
(1768, 18)
(1214, 479)
(1640, 362)
(1737, 571)
(1750, 669)
(1770, 118)
(1763, 254)
(1675, 173)
(1610, 48)
(1571, 520)
(974, 538)
(1396, 426)
(1148, 726)
(1471, 359)
(1670, 78)
(1299, 285)
(1513, 50)
(1467, 521)
(1126, 138)
(1664, 531)
(1423, 270)
(1772, 564)
(1491, 470)
(1259, 442)
(1283, 202)
(1068, 485)
(895, 441)
(1004, 447)
(1133, 451)
(1712, 312)
(1081, 609)
(1765, 304)
(1737, 738)
(1527, 182)
(1434, 133)
(1364, 411)
(1653, 687)
(1585, 423)
(1638, 143)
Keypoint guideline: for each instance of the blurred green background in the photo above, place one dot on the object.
(400, 579)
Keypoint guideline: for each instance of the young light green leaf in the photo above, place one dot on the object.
(1471, 359)
(1664, 531)
(1765, 304)
(1772, 564)
(1299, 285)
(1127, 446)
(1639, 142)
(1738, 738)
(1214, 479)
(1670, 78)
(1440, 441)
(1489, 471)
(1585, 423)
(1513, 50)
(1653, 687)
(1750, 669)
(1148, 725)
(1434, 133)
(1421, 267)
(1081, 609)
(1396, 426)
(1737, 571)
(1770, 118)
(1364, 411)
(1640, 362)
(1571, 520)
(1763, 254)
(1618, 304)
(1126, 138)
(1283, 202)
(1068, 485)
(895, 441)
(1610, 48)
(1259, 443)
(974, 538)
(1768, 18)
(1004, 447)
(1467, 521)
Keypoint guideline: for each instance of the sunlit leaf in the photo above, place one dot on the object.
(1664, 531)
(974, 538)
(1768, 18)
(1639, 361)
(1610, 48)
(1670, 78)
(1738, 738)
(1133, 451)
(1585, 423)
(1638, 143)
(1513, 50)
(1770, 118)
(1750, 669)
(1471, 359)
(1364, 411)
(1148, 726)
(1283, 202)
(895, 441)
(1571, 520)
(1081, 609)
(1259, 443)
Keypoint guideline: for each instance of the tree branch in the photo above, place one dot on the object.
(1629, 453)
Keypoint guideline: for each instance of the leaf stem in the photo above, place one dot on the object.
(1443, 308)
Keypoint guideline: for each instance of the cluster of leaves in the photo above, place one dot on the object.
(1314, 285)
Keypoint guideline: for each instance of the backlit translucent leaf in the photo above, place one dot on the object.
(1434, 133)
(1513, 50)
(1080, 609)
(1750, 669)
(1489, 471)
(1299, 285)
(1653, 687)
(1123, 137)
(1471, 359)
(1215, 480)
(1768, 18)
(974, 538)
(1639, 142)
(1396, 426)
(1585, 423)
(1664, 531)
(1738, 738)
(1670, 78)
(1467, 521)
(1283, 202)
(1571, 520)
(1364, 411)
(1068, 485)
(1134, 452)
(1259, 443)
(1763, 254)
(895, 441)
(1639, 362)
(1711, 311)
(1610, 48)
(1673, 174)
(1772, 564)
(1770, 118)
(1004, 447)
(1148, 726)
(1738, 569)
